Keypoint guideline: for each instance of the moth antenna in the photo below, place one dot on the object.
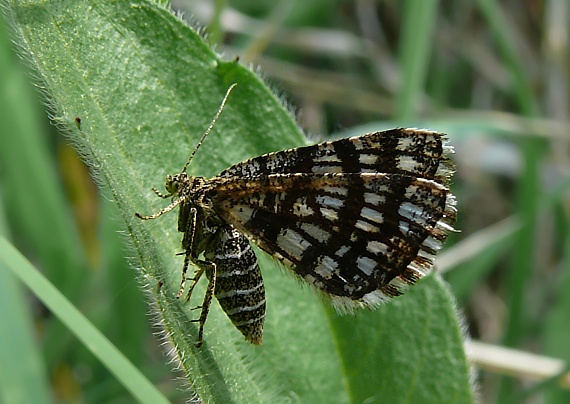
(211, 126)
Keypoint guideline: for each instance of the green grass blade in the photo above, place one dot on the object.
(521, 271)
(415, 51)
(23, 377)
(557, 328)
(115, 361)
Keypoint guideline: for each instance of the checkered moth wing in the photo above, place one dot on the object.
(420, 153)
(359, 219)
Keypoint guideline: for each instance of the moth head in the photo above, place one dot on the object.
(173, 183)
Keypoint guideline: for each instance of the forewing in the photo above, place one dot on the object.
(415, 152)
(361, 238)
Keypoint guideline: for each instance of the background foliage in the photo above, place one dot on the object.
(494, 75)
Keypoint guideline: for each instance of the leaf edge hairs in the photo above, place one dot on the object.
(359, 219)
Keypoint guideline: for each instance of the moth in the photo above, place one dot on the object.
(359, 219)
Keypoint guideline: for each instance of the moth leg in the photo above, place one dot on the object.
(197, 275)
(190, 229)
(160, 194)
(204, 266)
(162, 212)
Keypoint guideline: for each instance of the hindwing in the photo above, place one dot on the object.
(360, 238)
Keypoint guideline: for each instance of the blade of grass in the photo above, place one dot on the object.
(416, 44)
(518, 363)
(557, 327)
(476, 256)
(521, 270)
(23, 377)
(96, 342)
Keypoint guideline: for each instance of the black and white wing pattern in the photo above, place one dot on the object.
(360, 219)
(420, 153)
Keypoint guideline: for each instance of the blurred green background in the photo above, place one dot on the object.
(497, 82)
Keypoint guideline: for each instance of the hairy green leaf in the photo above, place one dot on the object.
(135, 87)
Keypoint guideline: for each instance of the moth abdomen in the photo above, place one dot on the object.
(239, 285)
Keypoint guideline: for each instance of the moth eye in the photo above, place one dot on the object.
(172, 184)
